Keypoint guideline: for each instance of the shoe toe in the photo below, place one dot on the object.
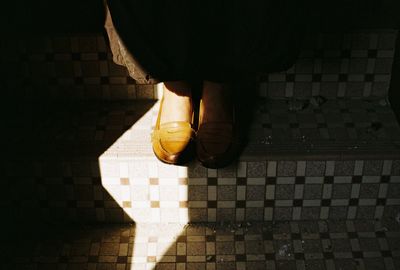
(173, 147)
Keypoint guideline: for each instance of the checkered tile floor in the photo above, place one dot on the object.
(359, 244)
(316, 126)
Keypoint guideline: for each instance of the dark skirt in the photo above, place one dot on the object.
(219, 40)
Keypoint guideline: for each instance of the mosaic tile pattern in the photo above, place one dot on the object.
(318, 245)
(337, 65)
(290, 127)
(249, 191)
(308, 122)
(93, 162)
(356, 64)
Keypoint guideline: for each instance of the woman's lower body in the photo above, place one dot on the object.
(214, 42)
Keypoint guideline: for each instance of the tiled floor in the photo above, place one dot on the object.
(338, 64)
(92, 161)
(319, 245)
(287, 127)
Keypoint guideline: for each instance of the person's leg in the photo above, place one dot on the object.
(173, 133)
(216, 105)
(177, 102)
(217, 138)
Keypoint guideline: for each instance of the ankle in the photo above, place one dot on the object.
(177, 102)
(216, 103)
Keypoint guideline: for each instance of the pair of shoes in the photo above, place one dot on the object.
(173, 141)
(217, 143)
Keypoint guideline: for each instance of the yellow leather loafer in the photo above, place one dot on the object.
(173, 141)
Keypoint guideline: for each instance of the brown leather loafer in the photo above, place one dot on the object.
(217, 143)
(173, 141)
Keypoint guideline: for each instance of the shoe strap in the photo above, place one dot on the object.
(175, 131)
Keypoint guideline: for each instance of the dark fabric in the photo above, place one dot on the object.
(215, 40)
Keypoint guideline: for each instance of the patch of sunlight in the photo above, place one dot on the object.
(149, 192)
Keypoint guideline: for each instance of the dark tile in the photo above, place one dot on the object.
(159, 266)
(283, 213)
(195, 248)
(255, 214)
(369, 244)
(341, 191)
(195, 169)
(364, 225)
(373, 167)
(338, 212)
(286, 168)
(395, 167)
(310, 213)
(229, 171)
(197, 193)
(255, 193)
(315, 168)
(369, 191)
(256, 265)
(344, 167)
(284, 192)
(345, 264)
(341, 245)
(226, 193)
(286, 265)
(394, 191)
(224, 247)
(336, 226)
(256, 169)
(314, 264)
(312, 191)
(109, 249)
(195, 266)
(254, 247)
(198, 214)
(394, 243)
(312, 246)
(365, 212)
(226, 214)
(374, 264)
(308, 227)
(225, 265)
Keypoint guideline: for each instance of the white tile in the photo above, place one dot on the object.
(183, 215)
(182, 172)
(183, 193)
(211, 215)
(169, 204)
(301, 168)
(355, 190)
(212, 193)
(241, 193)
(330, 167)
(241, 169)
(154, 193)
(145, 205)
(268, 214)
(383, 189)
(387, 166)
(240, 214)
(358, 167)
(256, 181)
(155, 215)
(271, 169)
(170, 215)
(212, 173)
(270, 192)
(226, 181)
